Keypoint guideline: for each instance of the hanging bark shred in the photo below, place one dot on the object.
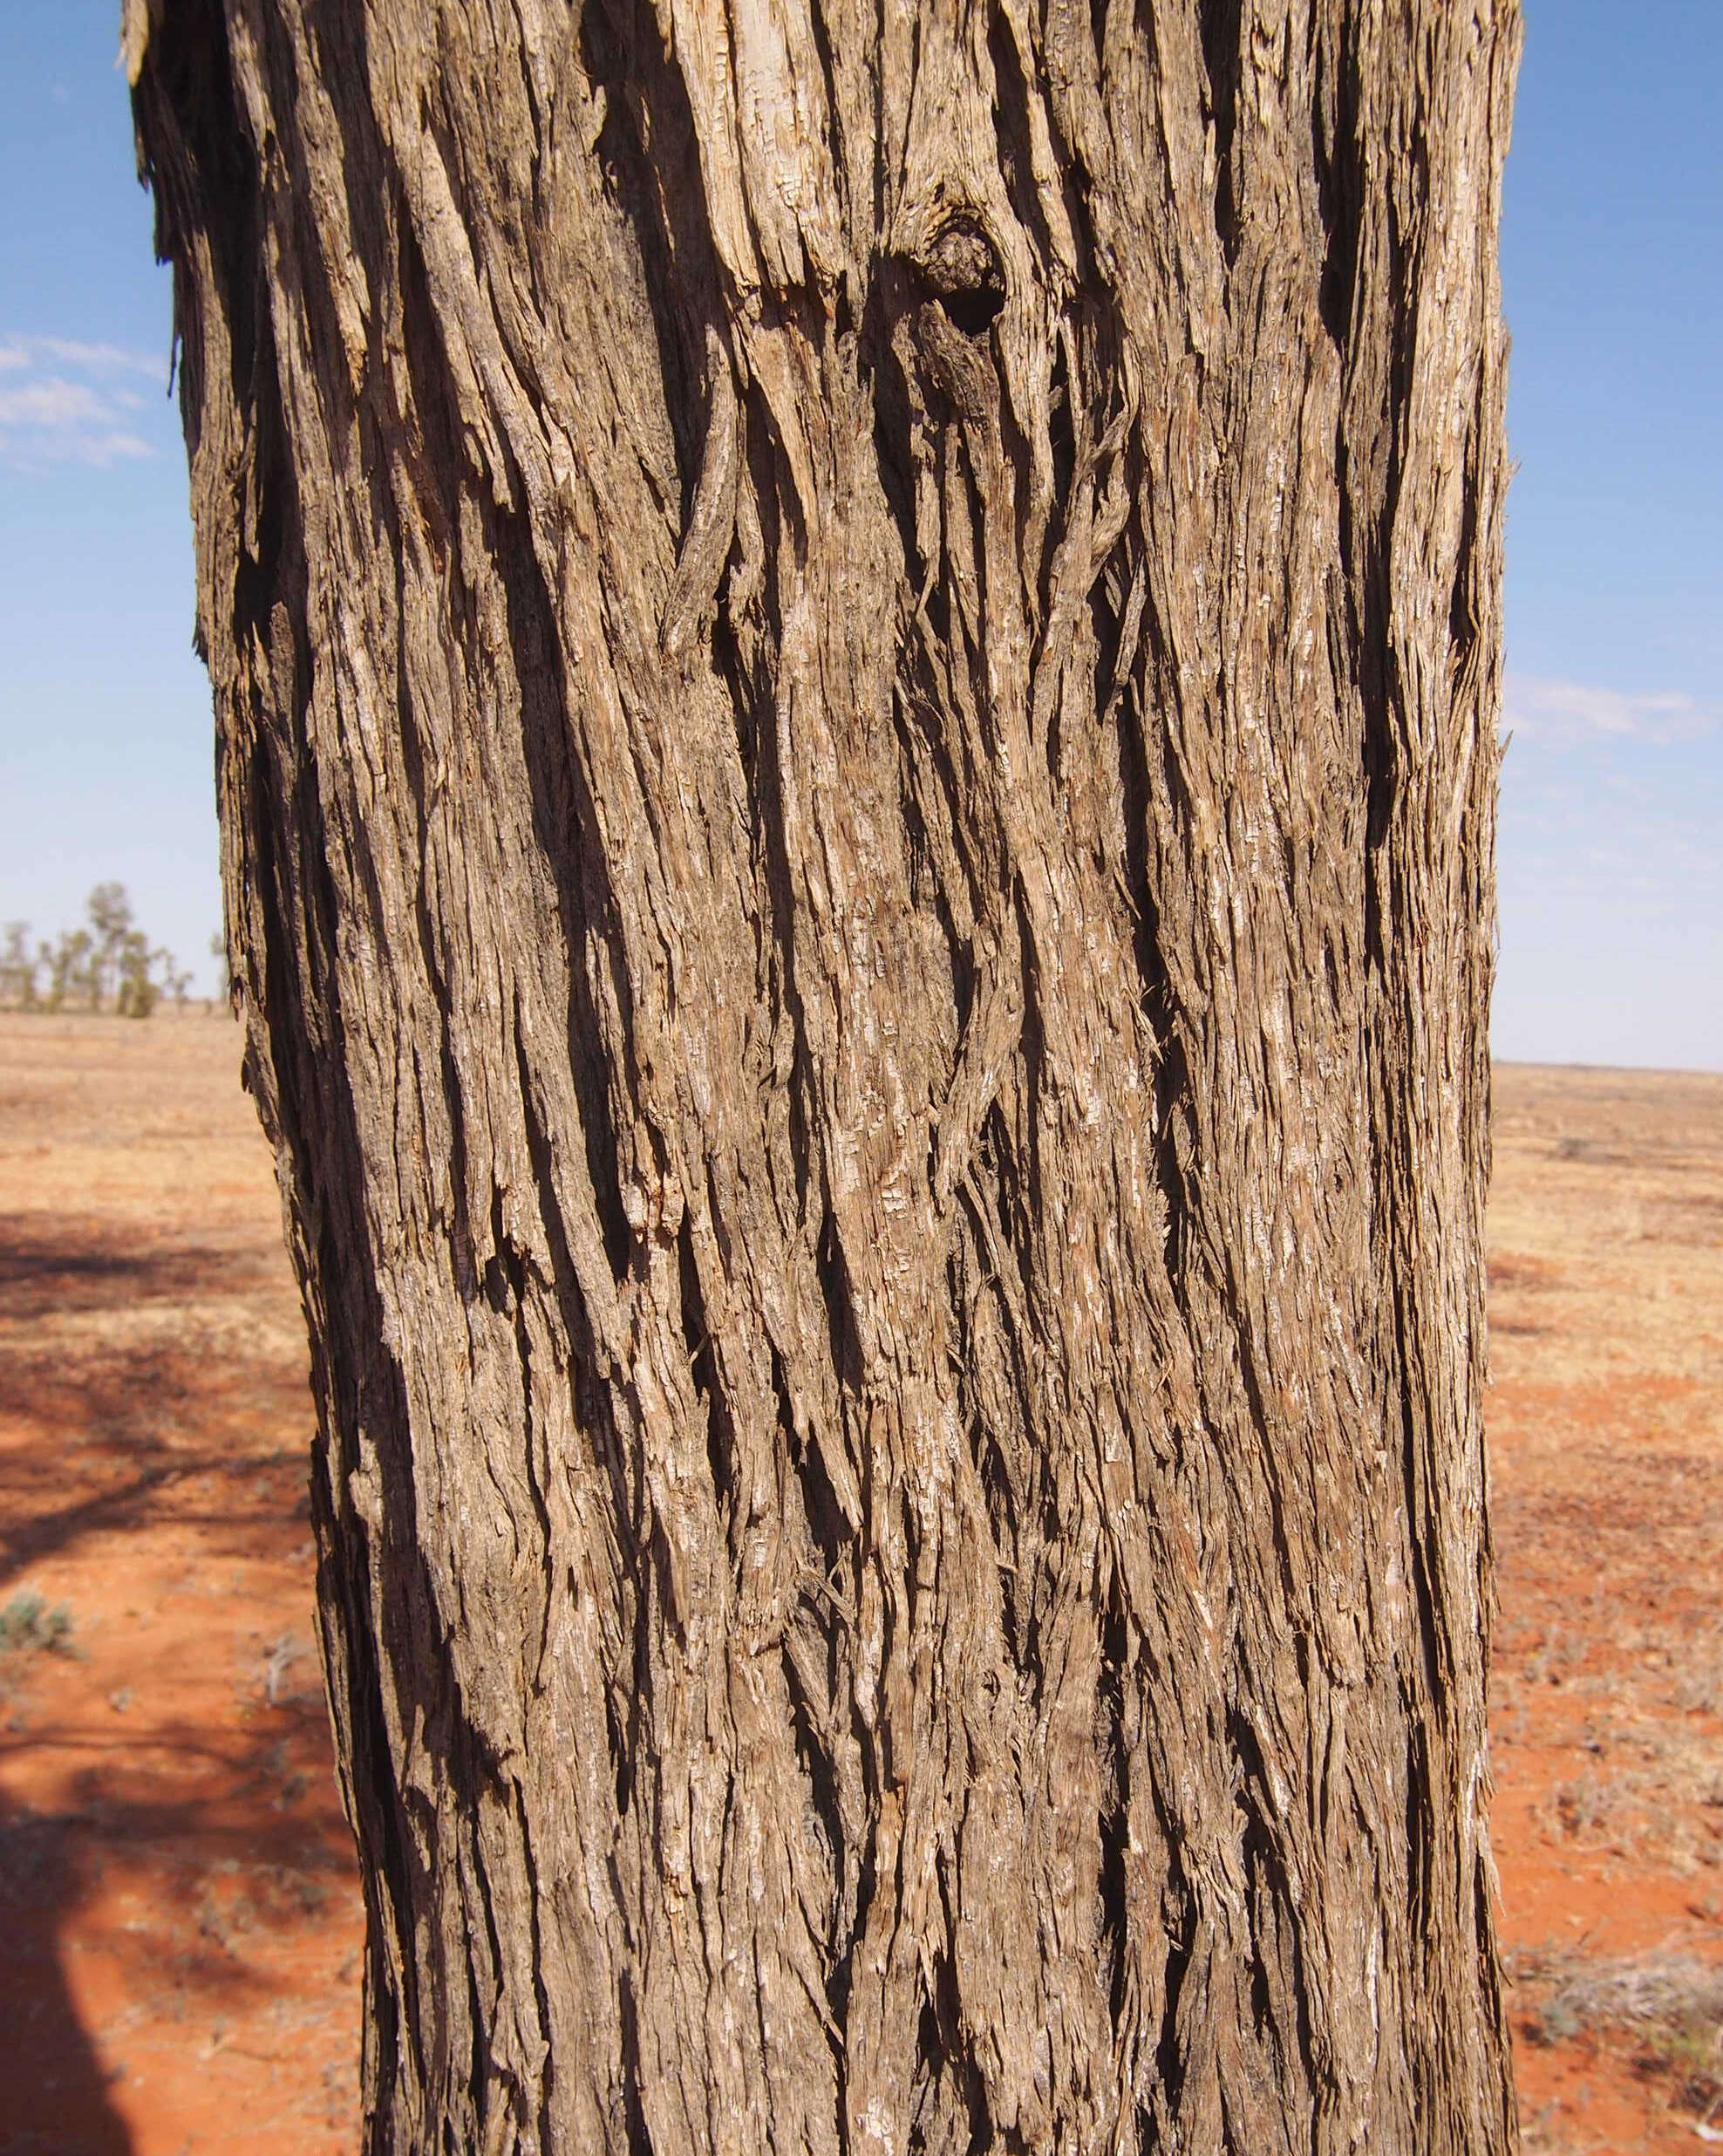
(856, 656)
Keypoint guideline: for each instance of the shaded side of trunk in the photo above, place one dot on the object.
(855, 662)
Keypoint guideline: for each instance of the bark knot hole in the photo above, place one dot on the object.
(960, 267)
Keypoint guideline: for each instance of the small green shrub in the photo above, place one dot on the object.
(27, 1625)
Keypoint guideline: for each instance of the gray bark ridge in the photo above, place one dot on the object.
(855, 658)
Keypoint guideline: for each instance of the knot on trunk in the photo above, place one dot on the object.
(959, 266)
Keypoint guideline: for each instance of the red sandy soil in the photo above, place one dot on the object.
(178, 1901)
(179, 1906)
(1606, 1433)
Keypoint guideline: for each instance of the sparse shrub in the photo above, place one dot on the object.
(1583, 1805)
(28, 1625)
(1664, 2006)
(1555, 2021)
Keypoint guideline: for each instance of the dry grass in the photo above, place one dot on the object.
(1663, 2010)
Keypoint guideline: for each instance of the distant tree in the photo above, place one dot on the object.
(137, 990)
(117, 957)
(218, 951)
(71, 966)
(19, 967)
(108, 964)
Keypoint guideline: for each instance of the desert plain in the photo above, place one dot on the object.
(181, 1921)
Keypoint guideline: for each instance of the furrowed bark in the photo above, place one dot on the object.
(855, 660)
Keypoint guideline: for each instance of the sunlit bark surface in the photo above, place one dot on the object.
(856, 656)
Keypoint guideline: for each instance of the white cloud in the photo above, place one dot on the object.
(63, 401)
(98, 358)
(1566, 714)
(53, 403)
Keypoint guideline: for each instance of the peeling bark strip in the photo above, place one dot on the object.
(856, 656)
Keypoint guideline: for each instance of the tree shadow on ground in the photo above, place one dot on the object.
(221, 1876)
(137, 1436)
(157, 1876)
(85, 1268)
(57, 2088)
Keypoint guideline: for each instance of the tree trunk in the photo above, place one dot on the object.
(855, 659)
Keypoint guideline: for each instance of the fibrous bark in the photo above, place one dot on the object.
(856, 656)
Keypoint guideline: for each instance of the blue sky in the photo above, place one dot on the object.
(1612, 868)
